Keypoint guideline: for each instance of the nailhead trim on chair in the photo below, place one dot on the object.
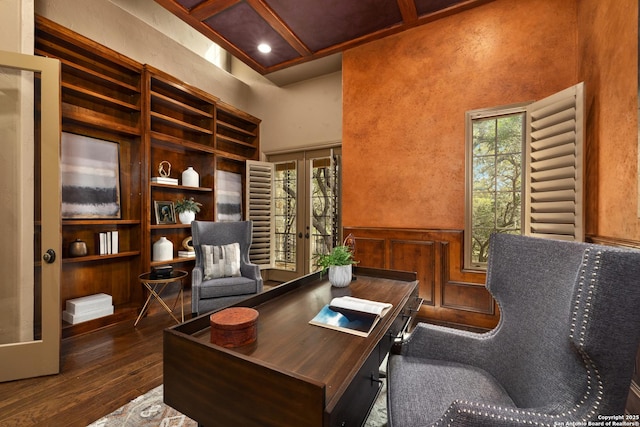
(511, 414)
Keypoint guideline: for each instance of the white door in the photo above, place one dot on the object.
(30, 252)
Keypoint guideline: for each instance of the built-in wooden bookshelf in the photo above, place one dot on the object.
(179, 130)
(101, 98)
(153, 117)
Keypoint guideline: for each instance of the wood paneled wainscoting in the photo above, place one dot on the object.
(451, 295)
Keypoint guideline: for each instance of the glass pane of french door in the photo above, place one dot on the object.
(323, 207)
(29, 177)
(286, 193)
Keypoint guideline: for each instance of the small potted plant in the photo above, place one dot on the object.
(339, 262)
(187, 209)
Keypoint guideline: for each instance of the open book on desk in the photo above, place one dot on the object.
(352, 315)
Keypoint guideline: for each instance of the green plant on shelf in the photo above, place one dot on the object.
(187, 205)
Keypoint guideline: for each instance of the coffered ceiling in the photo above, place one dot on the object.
(299, 31)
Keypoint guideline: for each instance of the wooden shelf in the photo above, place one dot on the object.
(237, 133)
(182, 188)
(229, 126)
(168, 226)
(95, 96)
(180, 124)
(236, 141)
(92, 222)
(89, 118)
(92, 258)
(177, 260)
(117, 85)
(172, 103)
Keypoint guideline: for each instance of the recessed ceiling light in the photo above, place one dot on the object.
(264, 48)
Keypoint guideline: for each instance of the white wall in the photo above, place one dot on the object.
(300, 115)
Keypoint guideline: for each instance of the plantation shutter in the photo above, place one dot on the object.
(259, 203)
(554, 205)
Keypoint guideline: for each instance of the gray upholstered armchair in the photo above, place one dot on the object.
(223, 274)
(563, 351)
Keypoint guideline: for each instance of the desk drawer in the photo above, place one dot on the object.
(356, 403)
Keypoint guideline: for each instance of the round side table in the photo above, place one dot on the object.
(156, 286)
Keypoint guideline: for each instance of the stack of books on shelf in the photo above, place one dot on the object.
(108, 242)
(164, 180)
(186, 254)
(87, 308)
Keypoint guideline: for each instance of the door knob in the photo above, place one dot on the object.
(49, 256)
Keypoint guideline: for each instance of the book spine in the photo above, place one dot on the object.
(114, 242)
(102, 241)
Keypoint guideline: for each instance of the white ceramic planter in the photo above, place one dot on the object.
(190, 178)
(162, 249)
(340, 275)
(186, 217)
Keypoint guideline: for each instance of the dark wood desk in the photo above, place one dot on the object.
(295, 374)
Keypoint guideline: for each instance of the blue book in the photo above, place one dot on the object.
(350, 320)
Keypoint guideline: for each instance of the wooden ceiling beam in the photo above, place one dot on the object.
(279, 26)
(408, 11)
(211, 7)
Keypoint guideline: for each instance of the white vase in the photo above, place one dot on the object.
(162, 249)
(340, 275)
(190, 178)
(187, 217)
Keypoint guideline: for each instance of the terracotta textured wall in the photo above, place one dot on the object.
(608, 54)
(405, 98)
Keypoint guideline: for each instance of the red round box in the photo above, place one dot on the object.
(234, 327)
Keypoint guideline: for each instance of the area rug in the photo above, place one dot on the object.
(149, 410)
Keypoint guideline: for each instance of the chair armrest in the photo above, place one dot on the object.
(439, 342)
(251, 271)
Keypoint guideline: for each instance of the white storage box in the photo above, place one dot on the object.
(89, 315)
(89, 303)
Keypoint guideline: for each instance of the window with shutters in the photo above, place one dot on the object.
(525, 172)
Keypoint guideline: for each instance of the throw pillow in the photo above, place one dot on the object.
(221, 261)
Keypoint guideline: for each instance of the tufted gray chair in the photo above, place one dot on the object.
(212, 294)
(562, 352)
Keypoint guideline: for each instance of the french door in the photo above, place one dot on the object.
(30, 252)
(307, 220)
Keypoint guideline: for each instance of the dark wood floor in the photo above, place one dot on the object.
(100, 371)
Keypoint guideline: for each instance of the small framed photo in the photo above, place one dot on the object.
(165, 213)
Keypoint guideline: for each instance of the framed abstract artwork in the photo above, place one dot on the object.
(90, 175)
(228, 194)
